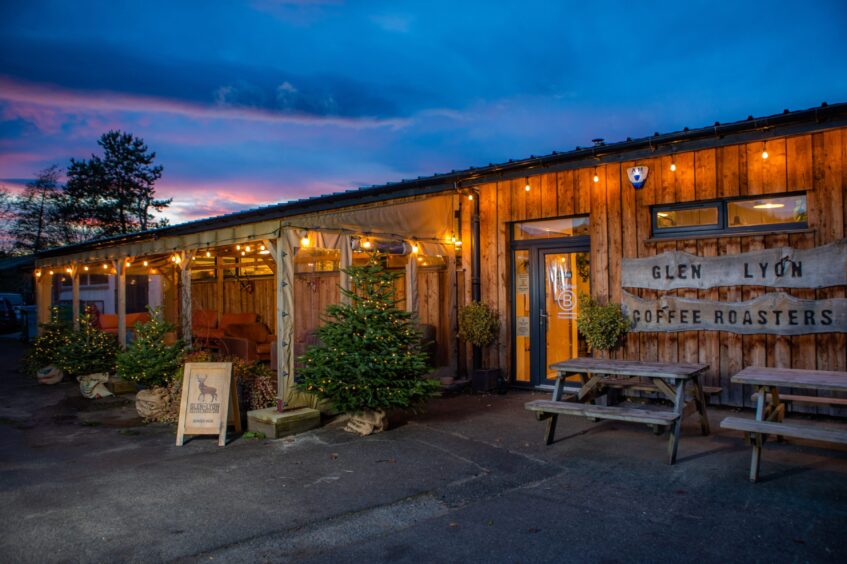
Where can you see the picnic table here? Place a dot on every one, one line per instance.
(770, 407)
(597, 376)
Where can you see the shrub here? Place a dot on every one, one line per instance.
(148, 360)
(88, 350)
(479, 324)
(369, 356)
(603, 326)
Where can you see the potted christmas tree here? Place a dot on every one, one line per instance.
(369, 356)
(479, 325)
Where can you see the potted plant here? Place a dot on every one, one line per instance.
(479, 325)
(602, 326)
(369, 356)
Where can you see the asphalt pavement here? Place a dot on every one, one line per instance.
(469, 480)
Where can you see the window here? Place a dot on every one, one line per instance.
(730, 216)
(550, 228)
(87, 279)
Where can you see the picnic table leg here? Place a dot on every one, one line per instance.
(758, 438)
(700, 402)
(558, 389)
(679, 406)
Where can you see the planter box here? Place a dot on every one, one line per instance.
(276, 425)
(485, 379)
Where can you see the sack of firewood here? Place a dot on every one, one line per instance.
(93, 386)
(152, 404)
(49, 375)
(367, 422)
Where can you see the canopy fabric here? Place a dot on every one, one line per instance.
(428, 221)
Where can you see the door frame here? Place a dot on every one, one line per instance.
(537, 249)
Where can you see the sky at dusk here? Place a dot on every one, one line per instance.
(255, 102)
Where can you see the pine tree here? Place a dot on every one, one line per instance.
(148, 360)
(369, 356)
(115, 192)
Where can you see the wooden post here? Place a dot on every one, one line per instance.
(412, 283)
(452, 315)
(120, 306)
(284, 280)
(346, 248)
(43, 297)
(185, 310)
(75, 299)
(219, 288)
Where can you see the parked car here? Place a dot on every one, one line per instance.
(8, 318)
(16, 301)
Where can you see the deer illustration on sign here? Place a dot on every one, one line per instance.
(206, 390)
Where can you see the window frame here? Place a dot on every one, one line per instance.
(722, 227)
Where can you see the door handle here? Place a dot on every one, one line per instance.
(542, 316)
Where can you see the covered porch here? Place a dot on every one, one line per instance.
(258, 290)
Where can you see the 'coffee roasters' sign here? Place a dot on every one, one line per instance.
(784, 267)
(775, 313)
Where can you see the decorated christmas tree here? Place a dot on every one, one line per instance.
(148, 360)
(369, 356)
(45, 348)
(88, 350)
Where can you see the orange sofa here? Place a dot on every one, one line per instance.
(108, 322)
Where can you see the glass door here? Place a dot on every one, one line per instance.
(565, 278)
(548, 280)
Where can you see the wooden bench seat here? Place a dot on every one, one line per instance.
(816, 400)
(809, 432)
(760, 429)
(636, 415)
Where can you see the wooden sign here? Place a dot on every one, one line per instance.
(209, 401)
(784, 267)
(775, 313)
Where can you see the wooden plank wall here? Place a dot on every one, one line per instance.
(620, 227)
(240, 296)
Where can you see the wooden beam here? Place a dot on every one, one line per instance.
(75, 298)
(219, 289)
(412, 283)
(120, 305)
(43, 297)
(345, 243)
(185, 295)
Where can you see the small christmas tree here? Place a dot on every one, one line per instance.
(45, 348)
(88, 350)
(148, 360)
(369, 356)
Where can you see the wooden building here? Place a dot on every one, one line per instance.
(527, 237)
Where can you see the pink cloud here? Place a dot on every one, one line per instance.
(25, 96)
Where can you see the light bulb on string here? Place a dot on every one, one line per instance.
(673, 166)
(527, 187)
(764, 149)
(304, 242)
(596, 176)
(470, 197)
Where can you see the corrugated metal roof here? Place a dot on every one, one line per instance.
(602, 152)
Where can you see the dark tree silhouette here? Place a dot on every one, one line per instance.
(114, 194)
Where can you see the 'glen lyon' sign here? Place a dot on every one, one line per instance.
(784, 267)
(775, 313)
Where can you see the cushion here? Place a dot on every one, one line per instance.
(256, 332)
(108, 321)
(237, 318)
(133, 318)
(204, 318)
